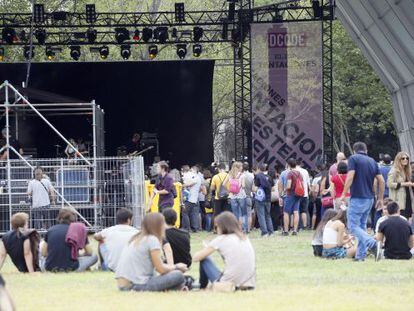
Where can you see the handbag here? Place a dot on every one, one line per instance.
(223, 192)
(327, 202)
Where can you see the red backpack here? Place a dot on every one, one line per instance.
(298, 187)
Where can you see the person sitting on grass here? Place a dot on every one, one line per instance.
(59, 253)
(16, 243)
(235, 249)
(385, 215)
(143, 255)
(112, 240)
(337, 243)
(178, 239)
(317, 242)
(398, 234)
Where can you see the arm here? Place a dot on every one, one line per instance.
(28, 256)
(379, 237)
(203, 254)
(168, 252)
(52, 194)
(163, 268)
(98, 237)
(348, 183)
(289, 183)
(381, 184)
(3, 254)
(88, 250)
(411, 241)
(341, 234)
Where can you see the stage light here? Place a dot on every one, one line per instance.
(1, 54)
(23, 36)
(104, 52)
(40, 35)
(75, 52)
(153, 51)
(197, 33)
(136, 36)
(147, 34)
(9, 35)
(174, 33)
(197, 50)
(26, 52)
(179, 12)
(50, 54)
(90, 13)
(91, 35)
(232, 10)
(39, 13)
(181, 50)
(125, 51)
(161, 34)
(121, 35)
(225, 31)
(278, 18)
(317, 10)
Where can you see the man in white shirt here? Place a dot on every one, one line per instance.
(304, 201)
(40, 190)
(191, 211)
(112, 240)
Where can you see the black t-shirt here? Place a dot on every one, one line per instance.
(264, 181)
(180, 245)
(13, 242)
(59, 255)
(397, 232)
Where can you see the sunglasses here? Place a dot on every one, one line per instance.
(405, 158)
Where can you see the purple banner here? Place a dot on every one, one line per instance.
(287, 93)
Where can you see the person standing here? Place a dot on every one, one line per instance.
(248, 188)
(333, 170)
(191, 211)
(304, 201)
(362, 171)
(164, 187)
(263, 188)
(40, 190)
(14, 143)
(237, 194)
(338, 184)
(400, 184)
(220, 201)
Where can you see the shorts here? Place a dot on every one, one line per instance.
(334, 253)
(303, 205)
(220, 206)
(291, 204)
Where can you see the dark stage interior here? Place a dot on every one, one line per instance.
(172, 99)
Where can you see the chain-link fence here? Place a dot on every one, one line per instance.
(94, 191)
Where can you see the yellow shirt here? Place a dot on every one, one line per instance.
(217, 181)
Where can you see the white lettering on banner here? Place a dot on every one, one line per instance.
(278, 40)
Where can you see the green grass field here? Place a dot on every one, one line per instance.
(288, 278)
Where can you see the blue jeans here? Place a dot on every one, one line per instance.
(208, 272)
(358, 212)
(191, 217)
(173, 280)
(263, 215)
(208, 222)
(239, 209)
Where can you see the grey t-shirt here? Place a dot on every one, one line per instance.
(248, 183)
(135, 264)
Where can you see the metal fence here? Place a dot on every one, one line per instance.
(95, 191)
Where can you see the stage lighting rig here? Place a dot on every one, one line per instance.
(181, 50)
(317, 9)
(147, 34)
(136, 36)
(50, 54)
(90, 13)
(198, 33)
(75, 52)
(197, 50)
(26, 52)
(125, 51)
(40, 35)
(161, 34)
(9, 35)
(104, 52)
(121, 35)
(91, 35)
(39, 13)
(153, 51)
(179, 12)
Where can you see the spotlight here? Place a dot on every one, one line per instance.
(1, 54)
(278, 18)
(197, 33)
(26, 52)
(181, 50)
(104, 52)
(161, 34)
(147, 34)
(50, 54)
(39, 13)
(121, 35)
(91, 35)
(9, 35)
(75, 52)
(197, 50)
(40, 35)
(23, 36)
(179, 12)
(136, 36)
(317, 10)
(232, 10)
(153, 51)
(90, 13)
(125, 51)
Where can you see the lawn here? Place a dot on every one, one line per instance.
(288, 278)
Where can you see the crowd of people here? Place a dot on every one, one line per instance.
(337, 202)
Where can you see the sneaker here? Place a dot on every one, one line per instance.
(285, 233)
(378, 252)
(294, 233)
(358, 260)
